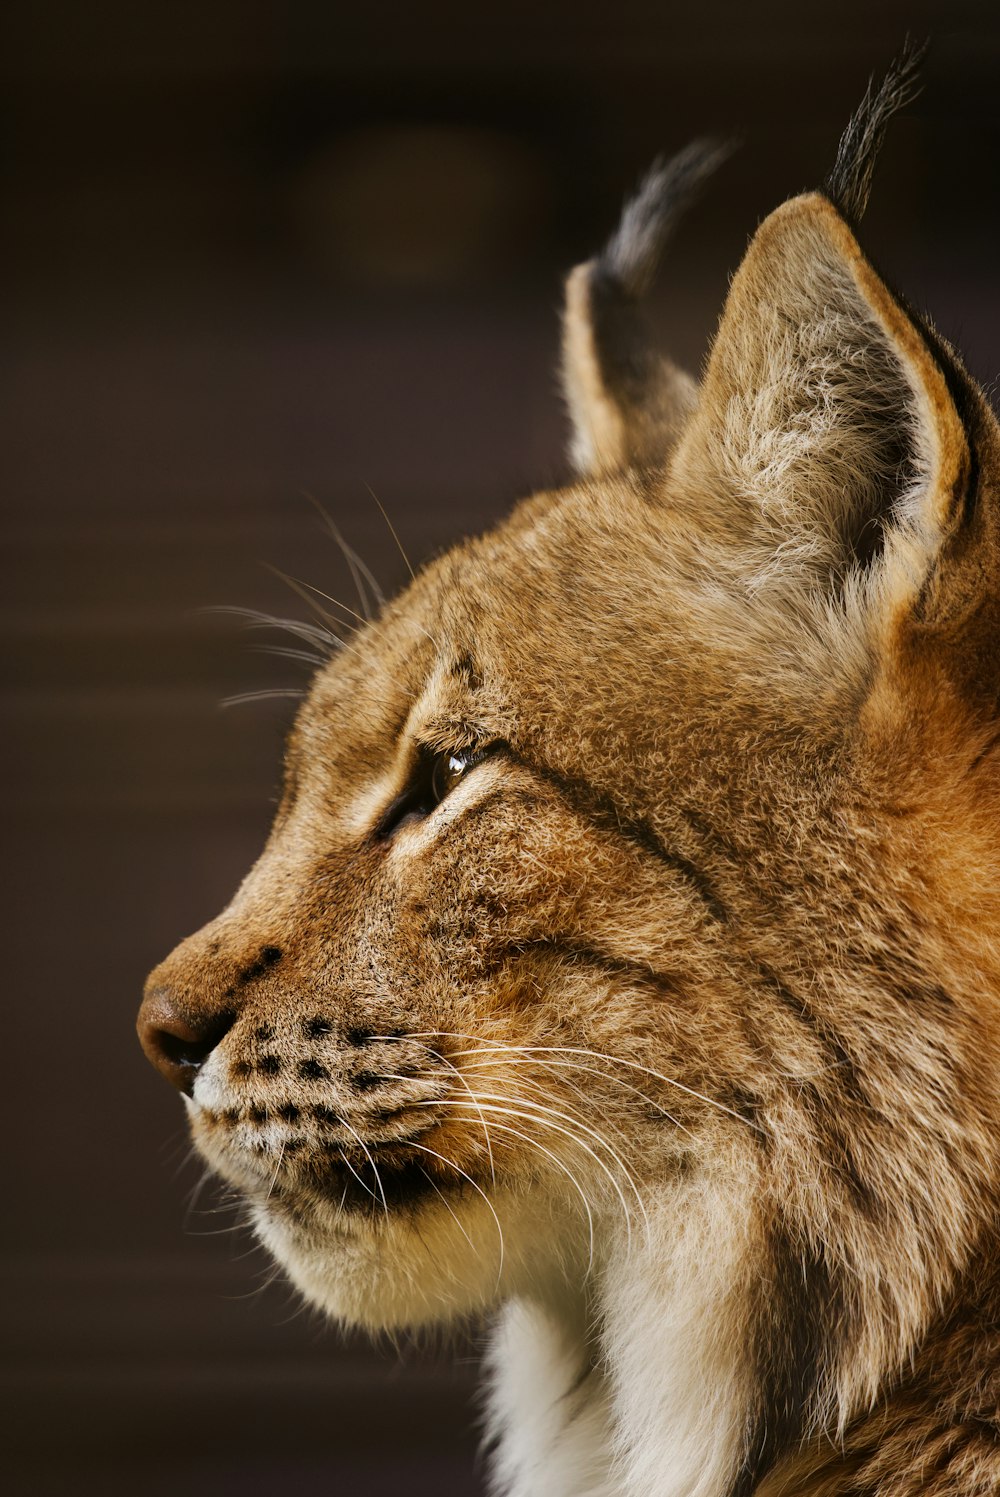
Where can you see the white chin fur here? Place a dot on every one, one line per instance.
(402, 1270)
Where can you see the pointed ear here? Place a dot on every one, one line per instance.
(627, 403)
(825, 425)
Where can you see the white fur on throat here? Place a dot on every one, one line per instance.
(654, 1401)
(549, 1408)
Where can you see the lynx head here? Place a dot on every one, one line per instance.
(634, 892)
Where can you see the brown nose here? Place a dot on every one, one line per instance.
(176, 1044)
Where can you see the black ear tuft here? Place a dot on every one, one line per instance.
(630, 258)
(849, 184)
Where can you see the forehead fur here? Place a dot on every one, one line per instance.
(608, 604)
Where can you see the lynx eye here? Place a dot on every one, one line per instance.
(447, 771)
(434, 777)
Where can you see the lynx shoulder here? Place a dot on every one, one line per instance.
(623, 964)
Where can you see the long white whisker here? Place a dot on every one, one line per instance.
(448, 1207)
(565, 1169)
(450, 1163)
(533, 1082)
(541, 1109)
(365, 1187)
(436, 1055)
(545, 1078)
(634, 1065)
(490, 1047)
(538, 1117)
(516, 1055)
(546, 1081)
(551, 1064)
(277, 1167)
(361, 1143)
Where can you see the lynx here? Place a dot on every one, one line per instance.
(623, 965)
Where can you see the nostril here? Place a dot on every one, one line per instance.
(181, 1052)
(177, 1045)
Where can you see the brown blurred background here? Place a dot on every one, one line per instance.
(256, 250)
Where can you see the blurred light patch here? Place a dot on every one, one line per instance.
(419, 206)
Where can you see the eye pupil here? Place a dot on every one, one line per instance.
(447, 772)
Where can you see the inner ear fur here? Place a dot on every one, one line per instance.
(825, 424)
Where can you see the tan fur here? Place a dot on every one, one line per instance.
(672, 1026)
(611, 428)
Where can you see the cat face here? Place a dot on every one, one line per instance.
(643, 855)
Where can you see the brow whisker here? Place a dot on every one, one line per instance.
(392, 531)
(309, 593)
(298, 584)
(320, 635)
(288, 652)
(360, 573)
(265, 694)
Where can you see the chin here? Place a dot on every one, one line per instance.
(397, 1248)
(431, 1264)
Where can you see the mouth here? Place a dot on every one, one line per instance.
(375, 1183)
(287, 1165)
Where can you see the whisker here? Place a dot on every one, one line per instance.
(360, 574)
(392, 532)
(266, 694)
(449, 1208)
(550, 1064)
(565, 1169)
(344, 1160)
(540, 1108)
(308, 593)
(320, 635)
(352, 565)
(366, 573)
(361, 1143)
(550, 1081)
(450, 1163)
(511, 1056)
(310, 587)
(277, 1167)
(195, 1195)
(288, 652)
(436, 1054)
(634, 1065)
(496, 1047)
(538, 1117)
